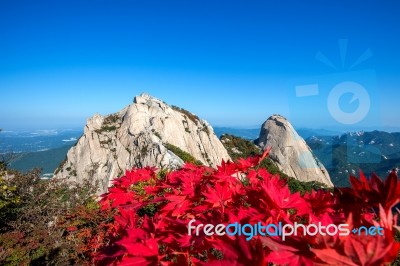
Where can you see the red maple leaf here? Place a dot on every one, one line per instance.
(218, 196)
(119, 196)
(278, 196)
(178, 205)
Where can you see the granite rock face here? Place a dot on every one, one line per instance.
(290, 152)
(137, 136)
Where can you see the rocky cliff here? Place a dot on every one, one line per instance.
(290, 152)
(146, 133)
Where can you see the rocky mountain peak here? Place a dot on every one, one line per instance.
(290, 152)
(146, 133)
(145, 98)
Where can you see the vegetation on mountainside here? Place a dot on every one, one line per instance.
(110, 123)
(40, 159)
(238, 147)
(185, 156)
(188, 114)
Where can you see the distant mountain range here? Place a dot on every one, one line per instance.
(345, 153)
(37, 140)
(39, 148)
(47, 160)
(246, 133)
(341, 153)
(253, 133)
(375, 151)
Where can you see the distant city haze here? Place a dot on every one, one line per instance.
(231, 63)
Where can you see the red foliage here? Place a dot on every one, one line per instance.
(88, 229)
(152, 214)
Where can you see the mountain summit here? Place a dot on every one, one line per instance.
(146, 133)
(290, 152)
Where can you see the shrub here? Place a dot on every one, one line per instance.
(105, 128)
(244, 147)
(110, 123)
(111, 119)
(31, 212)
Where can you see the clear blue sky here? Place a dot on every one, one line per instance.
(233, 63)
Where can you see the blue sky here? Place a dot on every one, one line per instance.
(233, 63)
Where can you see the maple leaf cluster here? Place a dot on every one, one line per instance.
(152, 213)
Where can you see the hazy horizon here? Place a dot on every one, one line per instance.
(244, 127)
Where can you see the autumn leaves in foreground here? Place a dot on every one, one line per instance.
(151, 211)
